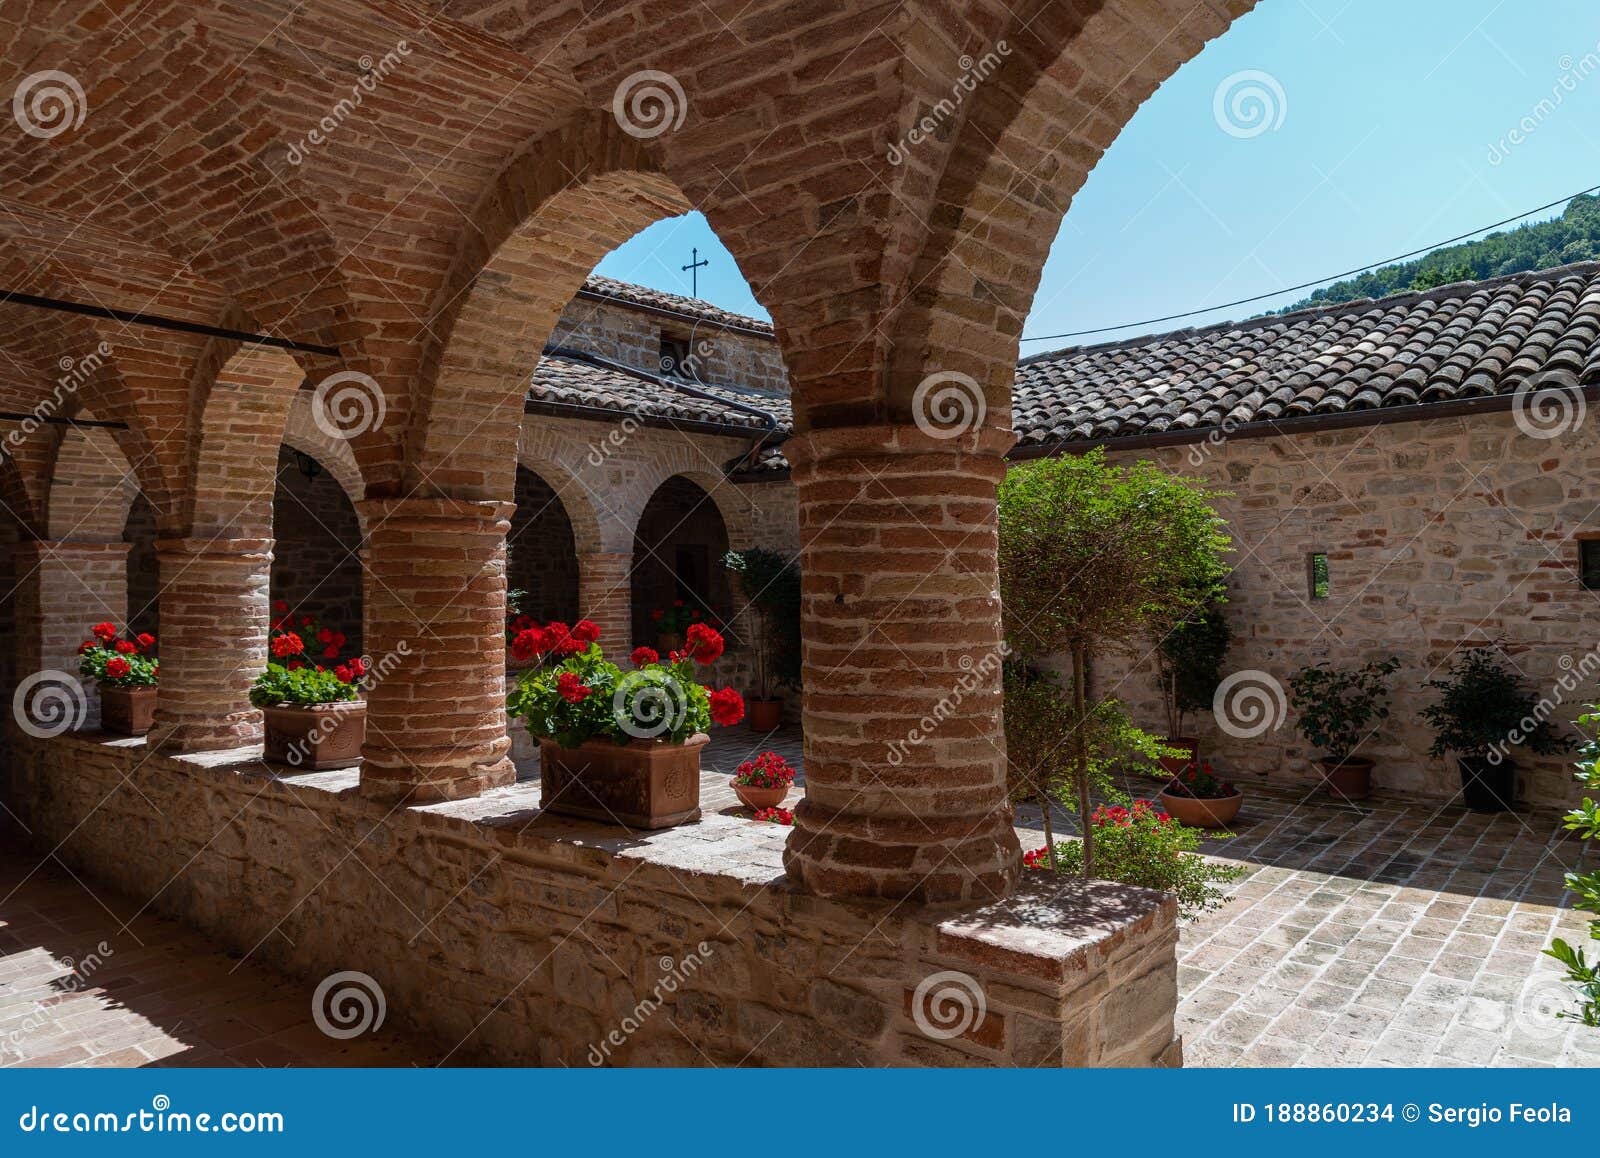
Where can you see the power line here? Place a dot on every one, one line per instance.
(1319, 281)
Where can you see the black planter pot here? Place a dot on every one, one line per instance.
(1487, 787)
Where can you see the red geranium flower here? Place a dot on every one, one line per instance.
(358, 666)
(325, 636)
(287, 644)
(644, 655)
(126, 647)
(330, 652)
(657, 613)
(105, 632)
(294, 665)
(529, 642)
(306, 621)
(117, 667)
(572, 689)
(146, 640)
(776, 815)
(585, 631)
(343, 672)
(279, 606)
(88, 645)
(727, 707)
(705, 643)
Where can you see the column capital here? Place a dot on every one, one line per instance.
(417, 513)
(836, 450)
(253, 551)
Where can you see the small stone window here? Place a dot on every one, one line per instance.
(1589, 562)
(1317, 574)
(675, 356)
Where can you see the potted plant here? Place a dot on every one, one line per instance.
(1339, 709)
(1200, 797)
(1486, 710)
(622, 747)
(671, 622)
(763, 782)
(314, 715)
(516, 623)
(1189, 661)
(127, 673)
(771, 583)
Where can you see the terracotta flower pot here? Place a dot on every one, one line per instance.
(763, 715)
(669, 641)
(758, 798)
(641, 784)
(316, 736)
(1217, 812)
(1350, 779)
(127, 711)
(1172, 765)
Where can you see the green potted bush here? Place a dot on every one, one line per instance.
(1485, 712)
(1339, 709)
(1189, 661)
(771, 583)
(127, 673)
(621, 747)
(310, 699)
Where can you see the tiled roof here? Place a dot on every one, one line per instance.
(638, 295)
(569, 382)
(1470, 340)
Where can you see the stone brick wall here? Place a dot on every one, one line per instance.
(633, 337)
(1439, 534)
(511, 937)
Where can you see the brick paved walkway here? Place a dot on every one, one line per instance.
(1394, 933)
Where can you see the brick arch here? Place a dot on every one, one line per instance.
(301, 432)
(245, 412)
(591, 529)
(549, 217)
(737, 509)
(92, 487)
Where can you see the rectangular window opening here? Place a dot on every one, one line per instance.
(1589, 562)
(1317, 574)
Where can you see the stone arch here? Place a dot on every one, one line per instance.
(737, 509)
(337, 457)
(550, 216)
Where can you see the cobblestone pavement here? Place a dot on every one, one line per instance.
(1396, 932)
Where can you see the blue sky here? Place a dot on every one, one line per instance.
(1390, 134)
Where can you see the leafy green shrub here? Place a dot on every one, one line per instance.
(1340, 707)
(771, 582)
(302, 686)
(1484, 706)
(1141, 845)
(1190, 660)
(1585, 821)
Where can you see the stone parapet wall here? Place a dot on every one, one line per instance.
(515, 937)
(1439, 534)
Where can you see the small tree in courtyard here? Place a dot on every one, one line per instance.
(1095, 559)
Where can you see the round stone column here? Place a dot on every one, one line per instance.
(213, 642)
(434, 624)
(905, 769)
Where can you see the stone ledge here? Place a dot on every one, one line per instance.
(1068, 973)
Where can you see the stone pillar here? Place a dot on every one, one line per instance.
(605, 595)
(904, 745)
(213, 642)
(434, 624)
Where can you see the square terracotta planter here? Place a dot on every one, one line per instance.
(316, 736)
(127, 711)
(642, 784)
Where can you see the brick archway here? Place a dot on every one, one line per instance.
(679, 543)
